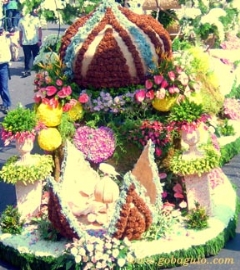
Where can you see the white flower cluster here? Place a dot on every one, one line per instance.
(50, 40)
(189, 13)
(102, 253)
(45, 58)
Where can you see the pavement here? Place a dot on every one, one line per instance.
(21, 91)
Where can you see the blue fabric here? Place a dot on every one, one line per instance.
(12, 20)
(4, 92)
(12, 4)
(30, 52)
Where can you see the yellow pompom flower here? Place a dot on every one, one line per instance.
(51, 117)
(76, 112)
(49, 139)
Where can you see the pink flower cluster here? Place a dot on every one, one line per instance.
(231, 108)
(97, 145)
(8, 136)
(52, 92)
(216, 177)
(175, 82)
(232, 43)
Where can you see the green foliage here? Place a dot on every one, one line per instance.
(19, 120)
(163, 225)
(12, 173)
(225, 129)
(179, 44)
(235, 91)
(66, 127)
(230, 18)
(204, 30)
(186, 111)
(165, 17)
(206, 163)
(67, 15)
(197, 218)
(46, 229)
(229, 151)
(10, 221)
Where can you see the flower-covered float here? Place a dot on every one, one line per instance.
(135, 133)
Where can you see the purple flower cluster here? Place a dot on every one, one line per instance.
(106, 103)
(97, 144)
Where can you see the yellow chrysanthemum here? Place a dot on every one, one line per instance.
(201, 62)
(51, 117)
(49, 139)
(76, 112)
(164, 105)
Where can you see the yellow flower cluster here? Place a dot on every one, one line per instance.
(49, 139)
(49, 116)
(76, 112)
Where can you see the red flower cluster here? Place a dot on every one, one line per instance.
(159, 133)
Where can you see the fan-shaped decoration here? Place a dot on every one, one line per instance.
(146, 172)
(113, 47)
(133, 209)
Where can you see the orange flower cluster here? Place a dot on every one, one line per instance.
(135, 217)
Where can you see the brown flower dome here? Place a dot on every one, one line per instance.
(113, 47)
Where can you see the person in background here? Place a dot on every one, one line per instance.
(14, 44)
(5, 56)
(30, 39)
(11, 11)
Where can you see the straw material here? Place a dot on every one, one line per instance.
(163, 4)
(174, 29)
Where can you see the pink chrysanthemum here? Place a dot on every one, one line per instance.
(97, 145)
(231, 108)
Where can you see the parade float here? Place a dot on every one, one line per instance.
(137, 134)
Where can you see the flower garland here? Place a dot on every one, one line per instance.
(13, 173)
(198, 166)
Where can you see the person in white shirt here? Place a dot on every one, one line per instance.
(5, 56)
(30, 39)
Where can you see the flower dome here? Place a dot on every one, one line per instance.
(113, 47)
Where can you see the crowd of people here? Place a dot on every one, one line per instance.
(17, 31)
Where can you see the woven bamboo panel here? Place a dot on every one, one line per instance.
(164, 4)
